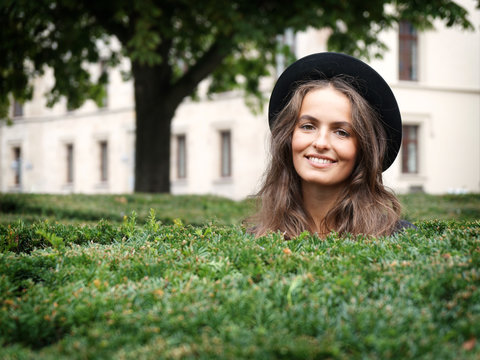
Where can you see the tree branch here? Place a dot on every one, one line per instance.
(210, 60)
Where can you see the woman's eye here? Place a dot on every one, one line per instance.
(342, 133)
(307, 127)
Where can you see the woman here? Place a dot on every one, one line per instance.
(335, 127)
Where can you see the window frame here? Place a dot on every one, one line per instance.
(103, 69)
(103, 146)
(407, 51)
(17, 165)
(225, 153)
(18, 110)
(407, 142)
(70, 163)
(181, 140)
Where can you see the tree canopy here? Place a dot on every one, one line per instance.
(175, 44)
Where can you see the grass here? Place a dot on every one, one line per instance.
(138, 288)
(196, 210)
(89, 209)
(418, 207)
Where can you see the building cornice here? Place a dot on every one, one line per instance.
(67, 116)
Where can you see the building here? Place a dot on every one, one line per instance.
(219, 146)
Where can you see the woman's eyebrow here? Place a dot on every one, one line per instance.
(341, 124)
(335, 123)
(308, 117)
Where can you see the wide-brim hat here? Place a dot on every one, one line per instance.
(369, 84)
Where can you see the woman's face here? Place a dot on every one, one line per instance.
(324, 147)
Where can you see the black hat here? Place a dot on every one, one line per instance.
(369, 84)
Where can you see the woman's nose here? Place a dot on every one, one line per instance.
(322, 141)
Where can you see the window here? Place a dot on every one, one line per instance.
(286, 44)
(17, 108)
(226, 154)
(103, 161)
(103, 72)
(410, 149)
(69, 148)
(181, 157)
(408, 51)
(17, 165)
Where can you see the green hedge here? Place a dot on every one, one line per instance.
(149, 291)
(89, 209)
(195, 210)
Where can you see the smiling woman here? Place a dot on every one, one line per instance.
(324, 147)
(335, 127)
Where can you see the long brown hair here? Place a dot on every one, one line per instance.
(365, 207)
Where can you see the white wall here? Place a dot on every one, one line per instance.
(202, 122)
(445, 103)
(449, 124)
(43, 143)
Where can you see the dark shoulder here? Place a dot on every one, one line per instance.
(402, 225)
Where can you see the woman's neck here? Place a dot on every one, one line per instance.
(317, 202)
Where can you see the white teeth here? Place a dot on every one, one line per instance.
(320, 161)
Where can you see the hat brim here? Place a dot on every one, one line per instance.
(369, 84)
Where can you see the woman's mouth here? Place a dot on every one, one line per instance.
(320, 161)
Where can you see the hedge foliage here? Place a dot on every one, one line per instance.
(89, 209)
(146, 290)
(195, 210)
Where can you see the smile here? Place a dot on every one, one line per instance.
(320, 161)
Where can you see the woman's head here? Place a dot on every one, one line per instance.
(324, 145)
(365, 129)
(363, 206)
(365, 82)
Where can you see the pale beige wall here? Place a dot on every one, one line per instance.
(43, 144)
(44, 132)
(449, 124)
(448, 57)
(202, 122)
(445, 103)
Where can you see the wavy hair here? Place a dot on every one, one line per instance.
(365, 207)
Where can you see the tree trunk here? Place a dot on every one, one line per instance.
(154, 114)
(156, 100)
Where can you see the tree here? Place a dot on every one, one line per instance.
(175, 44)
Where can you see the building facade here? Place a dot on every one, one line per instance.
(220, 147)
